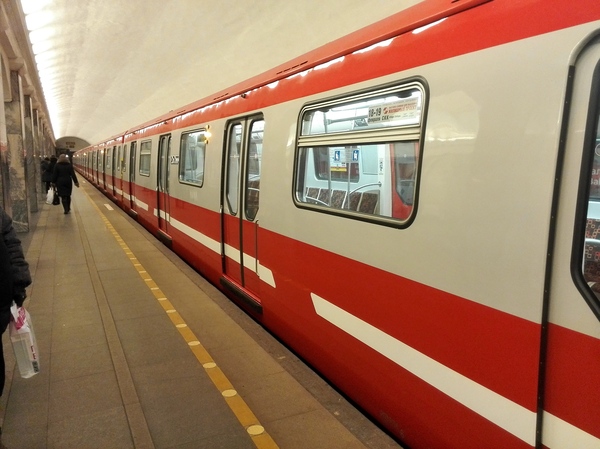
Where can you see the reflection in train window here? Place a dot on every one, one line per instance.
(191, 157)
(145, 157)
(359, 156)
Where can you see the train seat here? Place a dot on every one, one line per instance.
(337, 198)
(311, 195)
(354, 200)
(369, 203)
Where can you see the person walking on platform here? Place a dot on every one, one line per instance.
(14, 277)
(63, 178)
(46, 173)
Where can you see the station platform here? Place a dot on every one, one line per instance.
(137, 350)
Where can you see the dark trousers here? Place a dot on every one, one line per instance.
(66, 203)
(4, 319)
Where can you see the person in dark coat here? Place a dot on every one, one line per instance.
(63, 178)
(46, 173)
(14, 277)
(50, 170)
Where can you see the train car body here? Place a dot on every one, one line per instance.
(412, 209)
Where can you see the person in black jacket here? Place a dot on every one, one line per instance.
(63, 178)
(46, 173)
(47, 170)
(14, 278)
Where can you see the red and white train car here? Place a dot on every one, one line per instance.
(412, 208)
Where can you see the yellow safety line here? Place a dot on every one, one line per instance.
(258, 434)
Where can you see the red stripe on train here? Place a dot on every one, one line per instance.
(572, 394)
(413, 410)
(495, 349)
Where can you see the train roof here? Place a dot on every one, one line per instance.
(420, 15)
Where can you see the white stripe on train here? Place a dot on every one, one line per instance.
(264, 273)
(503, 412)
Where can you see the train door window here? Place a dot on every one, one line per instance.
(121, 159)
(132, 151)
(191, 157)
(108, 156)
(589, 243)
(233, 166)
(145, 157)
(253, 168)
(359, 156)
(164, 151)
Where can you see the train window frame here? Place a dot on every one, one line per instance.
(202, 140)
(144, 167)
(586, 238)
(363, 126)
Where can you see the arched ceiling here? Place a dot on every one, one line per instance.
(113, 64)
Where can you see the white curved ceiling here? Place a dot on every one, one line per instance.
(114, 64)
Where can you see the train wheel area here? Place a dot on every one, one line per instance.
(139, 351)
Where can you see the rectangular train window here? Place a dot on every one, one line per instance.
(191, 157)
(358, 156)
(145, 157)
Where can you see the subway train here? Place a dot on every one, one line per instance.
(413, 208)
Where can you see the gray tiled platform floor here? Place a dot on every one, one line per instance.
(116, 373)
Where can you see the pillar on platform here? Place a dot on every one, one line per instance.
(17, 174)
(32, 184)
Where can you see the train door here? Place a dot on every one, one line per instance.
(102, 168)
(162, 189)
(97, 166)
(114, 171)
(108, 173)
(239, 205)
(94, 174)
(131, 178)
(119, 174)
(571, 388)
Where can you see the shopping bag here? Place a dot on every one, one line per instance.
(55, 200)
(50, 196)
(23, 341)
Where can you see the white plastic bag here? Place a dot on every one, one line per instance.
(50, 196)
(23, 342)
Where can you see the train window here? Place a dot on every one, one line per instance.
(145, 157)
(233, 167)
(586, 256)
(109, 153)
(591, 256)
(359, 156)
(191, 157)
(122, 165)
(253, 168)
(132, 152)
(389, 109)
